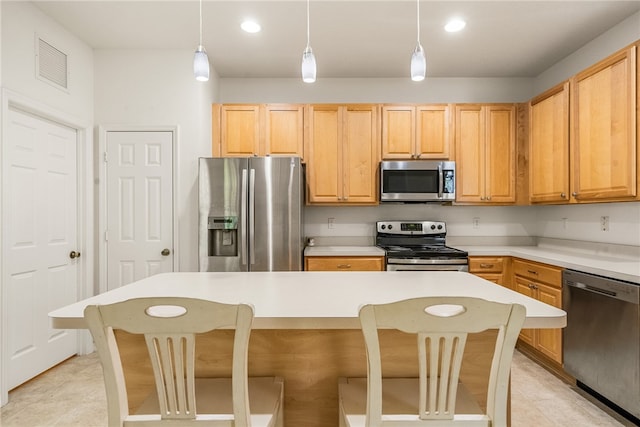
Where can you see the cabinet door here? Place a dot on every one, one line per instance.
(433, 138)
(549, 146)
(360, 154)
(324, 162)
(398, 132)
(524, 287)
(603, 144)
(500, 146)
(549, 341)
(283, 129)
(470, 153)
(239, 130)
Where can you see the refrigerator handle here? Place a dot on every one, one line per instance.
(243, 218)
(252, 212)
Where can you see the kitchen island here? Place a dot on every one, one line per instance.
(306, 329)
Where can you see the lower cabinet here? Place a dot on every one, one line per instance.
(341, 263)
(490, 268)
(544, 283)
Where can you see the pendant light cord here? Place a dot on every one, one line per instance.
(200, 22)
(418, 18)
(308, 32)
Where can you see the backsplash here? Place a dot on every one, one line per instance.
(488, 224)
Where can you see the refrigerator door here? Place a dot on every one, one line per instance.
(223, 225)
(276, 208)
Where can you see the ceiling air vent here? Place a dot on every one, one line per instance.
(52, 64)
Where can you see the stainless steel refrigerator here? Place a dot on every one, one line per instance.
(251, 214)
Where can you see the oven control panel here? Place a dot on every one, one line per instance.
(411, 227)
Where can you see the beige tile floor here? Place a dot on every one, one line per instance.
(72, 394)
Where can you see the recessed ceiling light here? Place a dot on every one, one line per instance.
(455, 25)
(250, 26)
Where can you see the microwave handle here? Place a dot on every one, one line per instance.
(440, 181)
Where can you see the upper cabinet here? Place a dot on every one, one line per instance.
(549, 146)
(342, 146)
(258, 130)
(603, 139)
(485, 153)
(416, 131)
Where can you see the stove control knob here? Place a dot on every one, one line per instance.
(390, 226)
(383, 226)
(440, 227)
(433, 226)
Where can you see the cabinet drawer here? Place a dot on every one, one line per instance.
(486, 264)
(344, 263)
(539, 272)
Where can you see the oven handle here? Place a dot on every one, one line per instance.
(426, 267)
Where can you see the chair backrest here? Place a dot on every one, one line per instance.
(442, 325)
(169, 326)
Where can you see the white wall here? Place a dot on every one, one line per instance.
(365, 90)
(157, 88)
(21, 21)
(623, 34)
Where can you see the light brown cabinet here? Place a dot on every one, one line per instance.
(343, 263)
(544, 283)
(603, 138)
(485, 153)
(416, 132)
(490, 268)
(258, 130)
(343, 151)
(549, 146)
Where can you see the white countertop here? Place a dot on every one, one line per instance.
(313, 300)
(617, 267)
(609, 265)
(343, 251)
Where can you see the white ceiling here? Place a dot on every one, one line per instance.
(350, 38)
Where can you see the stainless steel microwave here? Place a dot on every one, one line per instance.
(417, 181)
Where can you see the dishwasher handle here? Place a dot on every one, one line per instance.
(608, 288)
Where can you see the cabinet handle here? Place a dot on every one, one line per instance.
(413, 156)
(486, 265)
(482, 198)
(418, 156)
(574, 194)
(532, 286)
(563, 195)
(488, 197)
(532, 272)
(343, 266)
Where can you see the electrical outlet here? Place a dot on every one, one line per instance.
(604, 223)
(331, 222)
(476, 222)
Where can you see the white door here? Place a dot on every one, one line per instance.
(139, 205)
(40, 232)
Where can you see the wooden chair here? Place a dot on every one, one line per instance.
(169, 326)
(436, 398)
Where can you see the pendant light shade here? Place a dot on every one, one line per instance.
(308, 66)
(308, 59)
(201, 60)
(418, 60)
(418, 64)
(201, 64)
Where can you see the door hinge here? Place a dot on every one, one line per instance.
(106, 157)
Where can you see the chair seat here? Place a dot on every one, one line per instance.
(400, 396)
(214, 401)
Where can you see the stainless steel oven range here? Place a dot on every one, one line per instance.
(418, 246)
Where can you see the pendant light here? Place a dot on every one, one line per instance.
(418, 60)
(308, 59)
(201, 60)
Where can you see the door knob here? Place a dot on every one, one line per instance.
(74, 254)
(165, 252)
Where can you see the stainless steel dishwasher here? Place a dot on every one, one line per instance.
(602, 338)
